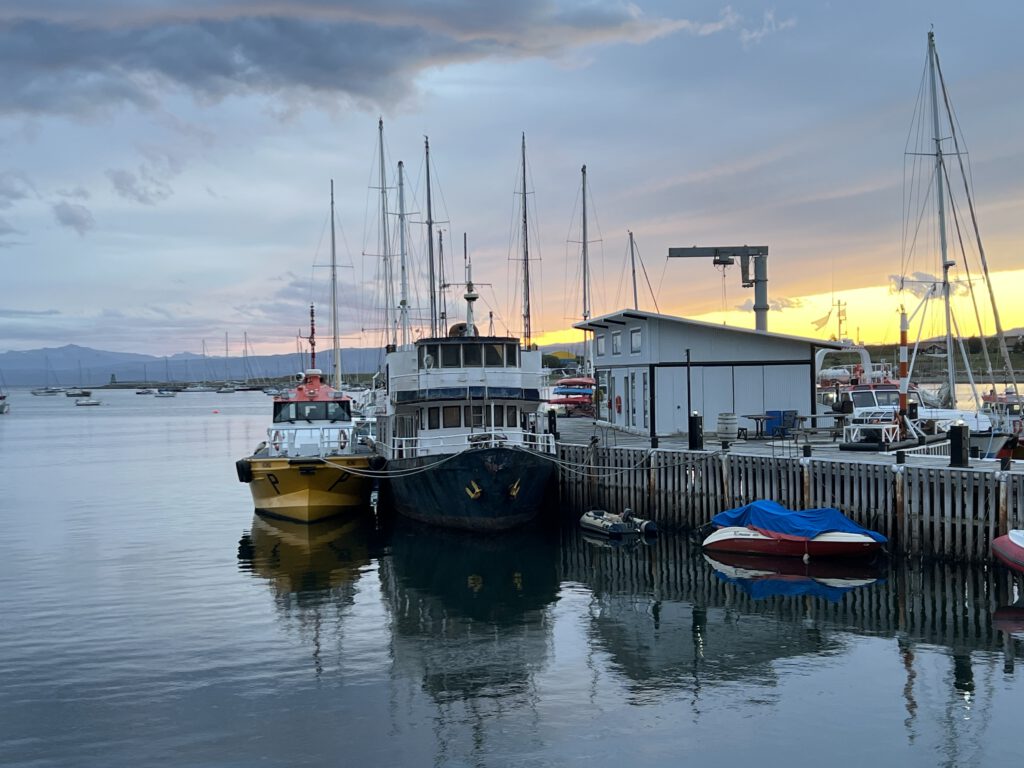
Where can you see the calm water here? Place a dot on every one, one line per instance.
(148, 619)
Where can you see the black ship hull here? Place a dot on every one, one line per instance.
(481, 489)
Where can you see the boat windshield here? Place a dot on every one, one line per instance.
(330, 410)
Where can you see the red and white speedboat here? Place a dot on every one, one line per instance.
(766, 528)
(1009, 550)
(753, 542)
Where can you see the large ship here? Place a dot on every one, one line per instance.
(465, 446)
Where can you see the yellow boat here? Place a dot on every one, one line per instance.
(317, 461)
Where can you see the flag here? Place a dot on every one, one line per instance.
(821, 321)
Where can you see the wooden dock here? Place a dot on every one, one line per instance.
(925, 507)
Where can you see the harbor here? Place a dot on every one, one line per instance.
(127, 594)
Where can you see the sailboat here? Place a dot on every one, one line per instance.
(936, 171)
(315, 464)
(460, 428)
(50, 390)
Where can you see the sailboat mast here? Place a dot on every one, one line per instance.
(403, 299)
(443, 316)
(312, 337)
(389, 289)
(586, 265)
(586, 275)
(336, 357)
(527, 330)
(940, 199)
(632, 263)
(430, 246)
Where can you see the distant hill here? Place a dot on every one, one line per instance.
(83, 366)
(72, 365)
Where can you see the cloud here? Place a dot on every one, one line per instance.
(75, 216)
(62, 60)
(768, 27)
(16, 313)
(921, 284)
(14, 186)
(776, 305)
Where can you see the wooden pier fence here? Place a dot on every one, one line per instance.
(925, 509)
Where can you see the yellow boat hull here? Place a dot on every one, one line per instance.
(308, 490)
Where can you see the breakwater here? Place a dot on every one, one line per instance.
(925, 507)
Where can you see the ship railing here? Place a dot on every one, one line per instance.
(289, 440)
(428, 445)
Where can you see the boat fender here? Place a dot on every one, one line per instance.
(244, 470)
(275, 439)
(342, 440)
(618, 404)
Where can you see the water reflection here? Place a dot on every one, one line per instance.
(305, 560)
(763, 577)
(468, 610)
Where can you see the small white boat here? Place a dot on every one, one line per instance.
(145, 391)
(87, 401)
(616, 526)
(165, 393)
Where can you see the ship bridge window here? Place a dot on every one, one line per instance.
(887, 398)
(472, 355)
(450, 357)
(616, 343)
(433, 417)
(634, 340)
(511, 355)
(499, 416)
(428, 356)
(599, 341)
(451, 416)
(493, 355)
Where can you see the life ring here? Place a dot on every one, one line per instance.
(276, 438)
(342, 440)
(618, 404)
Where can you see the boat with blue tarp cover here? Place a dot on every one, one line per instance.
(765, 527)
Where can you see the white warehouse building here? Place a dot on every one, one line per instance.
(652, 370)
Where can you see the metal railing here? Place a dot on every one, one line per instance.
(301, 441)
(429, 445)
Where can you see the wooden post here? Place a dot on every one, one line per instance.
(1004, 503)
(899, 495)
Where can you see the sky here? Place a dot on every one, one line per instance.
(165, 165)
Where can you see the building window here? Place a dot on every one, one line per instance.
(634, 340)
(617, 343)
(599, 340)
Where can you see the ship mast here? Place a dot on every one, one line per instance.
(336, 358)
(471, 295)
(632, 263)
(430, 246)
(389, 289)
(940, 198)
(586, 276)
(403, 299)
(527, 331)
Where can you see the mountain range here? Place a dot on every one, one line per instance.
(73, 365)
